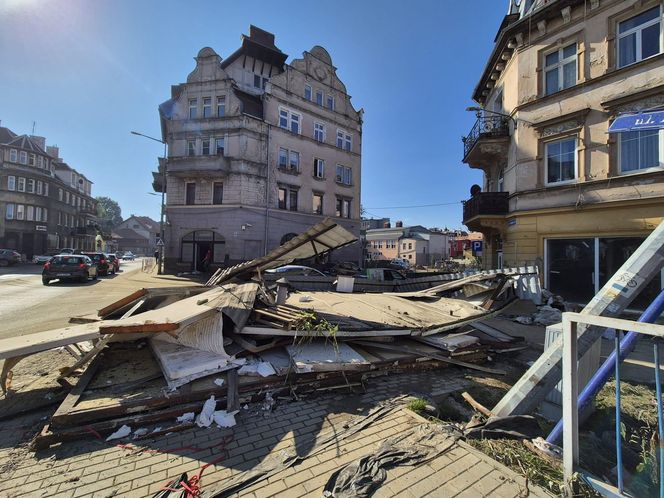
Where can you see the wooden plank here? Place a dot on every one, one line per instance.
(570, 399)
(476, 405)
(323, 333)
(407, 349)
(232, 395)
(618, 292)
(75, 394)
(107, 310)
(43, 341)
(139, 327)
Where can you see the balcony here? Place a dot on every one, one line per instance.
(488, 142)
(89, 210)
(485, 210)
(86, 230)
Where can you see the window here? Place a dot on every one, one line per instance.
(319, 97)
(45, 214)
(283, 158)
(30, 213)
(292, 200)
(20, 211)
(330, 102)
(640, 150)
(221, 106)
(190, 194)
(257, 81)
(46, 189)
(288, 198)
(282, 197)
(11, 183)
(319, 168)
(207, 107)
(59, 217)
(13, 155)
(206, 147)
(380, 244)
(289, 120)
(294, 162)
(319, 132)
(9, 211)
(344, 140)
(561, 161)
(318, 203)
(60, 194)
(217, 193)
(307, 92)
(410, 245)
(191, 147)
(31, 186)
(40, 162)
(220, 146)
(33, 160)
(21, 184)
(639, 37)
(560, 69)
(40, 188)
(23, 157)
(344, 175)
(343, 208)
(193, 108)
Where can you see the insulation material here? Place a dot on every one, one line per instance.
(206, 335)
(325, 356)
(123, 431)
(278, 358)
(224, 419)
(181, 364)
(450, 342)
(204, 419)
(257, 368)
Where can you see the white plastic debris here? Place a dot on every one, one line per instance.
(204, 418)
(140, 432)
(245, 407)
(306, 299)
(186, 417)
(219, 382)
(123, 431)
(224, 419)
(262, 368)
(156, 429)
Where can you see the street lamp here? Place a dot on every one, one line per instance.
(163, 190)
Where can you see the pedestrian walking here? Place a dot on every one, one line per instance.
(156, 256)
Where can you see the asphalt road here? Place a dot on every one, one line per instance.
(27, 306)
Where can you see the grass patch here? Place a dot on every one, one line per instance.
(418, 406)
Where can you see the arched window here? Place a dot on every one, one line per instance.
(286, 238)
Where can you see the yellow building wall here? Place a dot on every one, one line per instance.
(523, 242)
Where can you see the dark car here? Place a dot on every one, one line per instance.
(104, 265)
(116, 262)
(69, 267)
(9, 257)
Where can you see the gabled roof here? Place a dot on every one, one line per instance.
(145, 221)
(128, 234)
(26, 143)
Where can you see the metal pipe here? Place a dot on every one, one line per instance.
(660, 419)
(605, 371)
(618, 433)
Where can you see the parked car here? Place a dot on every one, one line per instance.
(66, 250)
(116, 262)
(287, 270)
(104, 266)
(69, 267)
(40, 259)
(129, 256)
(399, 264)
(9, 257)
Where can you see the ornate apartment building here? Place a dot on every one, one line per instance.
(258, 151)
(560, 187)
(45, 204)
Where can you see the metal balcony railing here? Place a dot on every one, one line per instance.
(486, 126)
(486, 203)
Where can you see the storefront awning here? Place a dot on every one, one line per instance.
(653, 120)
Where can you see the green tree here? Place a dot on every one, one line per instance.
(109, 213)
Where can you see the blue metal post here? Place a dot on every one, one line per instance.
(660, 419)
(605, 371)
(618, 425)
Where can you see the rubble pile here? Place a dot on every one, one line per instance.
(241, 339)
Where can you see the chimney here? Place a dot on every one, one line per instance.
(261, 36)
(399, 224)
(41, 141)
(386, 224)
(54, 151)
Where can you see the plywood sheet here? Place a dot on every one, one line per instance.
(325, 356)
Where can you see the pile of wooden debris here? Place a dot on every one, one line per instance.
(242, 339)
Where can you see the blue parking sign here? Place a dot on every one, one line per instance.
(477, 246)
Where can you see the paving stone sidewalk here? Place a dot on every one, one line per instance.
(95, 468)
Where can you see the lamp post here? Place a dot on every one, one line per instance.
(163, 190)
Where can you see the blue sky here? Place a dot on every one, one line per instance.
(88, 72)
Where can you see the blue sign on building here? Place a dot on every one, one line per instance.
(635, 122)
(477, 247)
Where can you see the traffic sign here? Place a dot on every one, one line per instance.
(160, 243)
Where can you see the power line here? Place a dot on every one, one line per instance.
(417, 206)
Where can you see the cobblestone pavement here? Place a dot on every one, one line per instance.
(95, 468)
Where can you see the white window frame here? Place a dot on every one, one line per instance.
(221, 106)
(193, 109)
(20, 186)
(10, 211)
(576, 162)
(288, 118)
(660, 136)
(319, 168)
(558, 66)
(344, 140)
(207, 108)
(30, 213)
(322, 200)
(223, 146)
(346, 176)
(11, 183)
(20, 212)
(189, 149)
(293, 160)
(13, 155)
(23, 157)
(32, 160)
(319, 131)
(30, 186)
(209, 150)
(639, 35)
(46, 189)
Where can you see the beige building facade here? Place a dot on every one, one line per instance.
(258, 151)
(559, 189)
